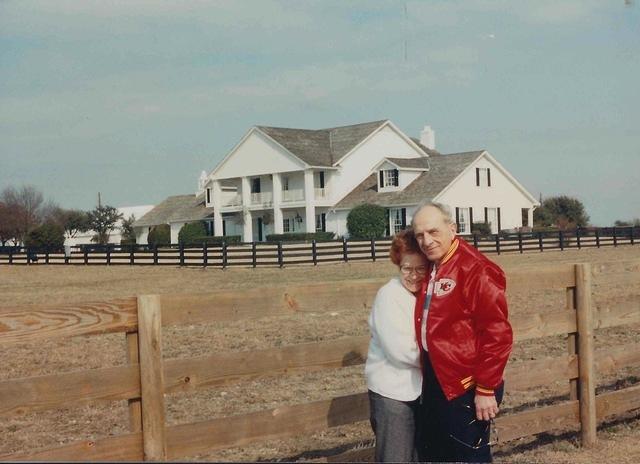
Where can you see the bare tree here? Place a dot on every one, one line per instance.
(8, 224)
(27, 206)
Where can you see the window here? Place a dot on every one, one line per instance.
(463, 220)
(208, 195)
(397, 220)
(286, 225)
(483, 177)
(525, 217)
(388, 178)
(492, 217)
(321, 222)
(255, 185)
(285, 183)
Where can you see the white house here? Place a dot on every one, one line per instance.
(83, 238)
(281, 180)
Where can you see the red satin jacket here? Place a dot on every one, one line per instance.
(468, 335)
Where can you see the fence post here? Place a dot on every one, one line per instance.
(254, 254)
(587, 374)
(224, 255)
(498, 243)
(598, 238)
(132, 254)
(373, 249)
(540, 241)
(572, 339)
(151, 378)
(520, 242)
(86, 256)
(345, 256)
(632, 235)
(578, 237)
(155, 253)
(475, 241)
(280, 257)
(561, 240)
(314, 252)
(135, 407)
(205, 254)
(181, 251)
(615, 237)
(46, 254)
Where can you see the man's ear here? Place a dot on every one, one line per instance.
(453, 228)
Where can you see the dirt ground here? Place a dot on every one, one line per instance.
(618, 439)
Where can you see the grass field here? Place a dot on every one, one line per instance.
(21, 285)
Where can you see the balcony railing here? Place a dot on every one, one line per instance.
(292, 195)
(261, 198)
(235, 200)
(321, 192)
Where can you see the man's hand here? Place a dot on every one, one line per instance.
(486, 407)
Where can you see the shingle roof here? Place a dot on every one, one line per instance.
(178, 208)
(428, 151)
(411, 163)
(321, 147)
(443, 169)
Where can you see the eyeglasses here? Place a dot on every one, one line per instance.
(418, 270)
(490, 427)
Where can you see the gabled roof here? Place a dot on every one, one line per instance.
(321, 147)
(443, 170)
(177, 208)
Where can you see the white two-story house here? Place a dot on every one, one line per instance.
(282, 180)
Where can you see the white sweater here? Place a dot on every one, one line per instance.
(393, 361)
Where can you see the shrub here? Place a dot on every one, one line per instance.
(300, 236)
(211, 240)
(192, 232)
(48, 235)
(367, 221)
(159, 235)
(481, 228)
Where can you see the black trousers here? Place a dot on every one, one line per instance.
(449, 430)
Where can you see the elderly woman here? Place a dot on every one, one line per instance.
(394, 378)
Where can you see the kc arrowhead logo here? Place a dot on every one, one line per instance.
(444, 287)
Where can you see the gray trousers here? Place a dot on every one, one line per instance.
(394, 425)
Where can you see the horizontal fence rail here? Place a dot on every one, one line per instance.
(149, 377)
(282, 254)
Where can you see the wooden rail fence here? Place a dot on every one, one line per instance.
(147, 376)
(290, 253)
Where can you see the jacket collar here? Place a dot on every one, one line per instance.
(450, 252)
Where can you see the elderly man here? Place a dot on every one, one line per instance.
(462, 328)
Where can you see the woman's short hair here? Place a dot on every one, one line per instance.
(404, 242)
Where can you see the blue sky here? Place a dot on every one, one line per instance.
(134, 99)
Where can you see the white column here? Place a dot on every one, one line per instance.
(217, 208)
(247, 227)
(142, 235)
(277, 199)
(175, 230)
(309, 199)
(246, 192)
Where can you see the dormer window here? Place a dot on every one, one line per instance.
(483, 177)
(388, 178)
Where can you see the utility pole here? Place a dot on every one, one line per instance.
(99, 201)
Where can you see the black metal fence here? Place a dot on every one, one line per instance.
(311, 253)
